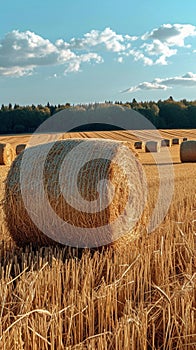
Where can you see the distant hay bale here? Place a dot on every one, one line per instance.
(22, 226)
(188, 151)
(7, 154)
(20, 148)
(175, 141)
(138, 145)
(165, 143)
(184, 139)
(152, 146)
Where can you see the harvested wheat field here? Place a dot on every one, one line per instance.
(138, 293)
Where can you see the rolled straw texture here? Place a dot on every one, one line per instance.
(138, 145)
(188, 151)
(165, 143)
(152, 146)
(175, 141)
(7, 154)
(125, 200)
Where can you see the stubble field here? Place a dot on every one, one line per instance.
(140, 293)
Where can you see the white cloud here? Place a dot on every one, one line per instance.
(171, 34)
(120, 59)
(131, 38)
(161, 43)
(186, 80)
(164, 38)
(139, 56)
(22, 52)
(74, 64)
(160, 49)
(16, 71)
(146, 86)
(26, 47)
(107, 39)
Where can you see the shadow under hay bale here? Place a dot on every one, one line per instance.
(7, 154)
(175, 141)
(19, 256)
(152, 146)
(20, 148)
(188, 151)
(49, 202)
(165, 143)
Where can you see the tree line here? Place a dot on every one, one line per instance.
(164, 114)
(24, 119)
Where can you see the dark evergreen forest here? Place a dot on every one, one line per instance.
(167, 114)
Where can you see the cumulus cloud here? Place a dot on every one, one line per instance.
(107, 39)
(139, 56)
(165, 41)
(157, 46)
(186, 80)
(22, 52)
(172, 34)
(74, 64)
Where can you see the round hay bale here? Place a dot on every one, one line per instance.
(165, 143)
(152, 146)
(138, 145)
(53, 176)
(175, 141)
(188, 151)
(184, 139)
(7, 154)
(20, 148)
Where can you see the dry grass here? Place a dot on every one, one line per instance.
(135, 295)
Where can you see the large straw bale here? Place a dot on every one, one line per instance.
(152, 146)
(7, 154)
(22, 227)
(188, 151)
(20, 148)
(175, 141)
(138, 145)
(165, 143)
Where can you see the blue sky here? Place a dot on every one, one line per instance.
(92, 51)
